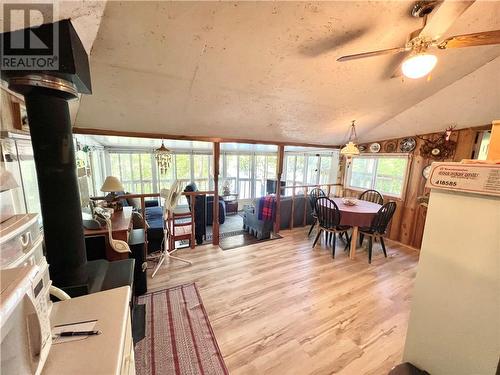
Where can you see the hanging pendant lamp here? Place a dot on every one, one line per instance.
(163, 158)
(351, 148)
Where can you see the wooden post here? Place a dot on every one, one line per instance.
(279, 172)
(192, 199)
(306, 202)
(143, 210)
(215, 224)
(145, 223)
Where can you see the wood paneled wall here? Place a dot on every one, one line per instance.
(408, 222)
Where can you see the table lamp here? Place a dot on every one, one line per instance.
(112, 185)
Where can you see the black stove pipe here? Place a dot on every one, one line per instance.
(51, 137)
(46, 91)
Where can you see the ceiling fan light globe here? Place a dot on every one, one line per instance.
(418, 66)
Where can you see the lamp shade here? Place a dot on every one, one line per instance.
(112, 184)
(350, 149)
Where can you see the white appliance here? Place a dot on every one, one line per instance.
(24, 320)
(21, 241)
(455, 312)
(25, 298)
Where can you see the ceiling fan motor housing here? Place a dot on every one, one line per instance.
(423, 8)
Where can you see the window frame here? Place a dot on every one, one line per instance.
(251, 179)
(333, 156)
(377, 157)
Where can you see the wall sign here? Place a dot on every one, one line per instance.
(471, 178)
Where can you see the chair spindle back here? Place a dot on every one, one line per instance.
(328, 212)
(383, 217)
(314, 195)
(372, 196)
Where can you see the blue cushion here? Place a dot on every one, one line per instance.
(154, 217)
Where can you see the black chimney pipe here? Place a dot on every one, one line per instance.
(52, 140)
(46, 90)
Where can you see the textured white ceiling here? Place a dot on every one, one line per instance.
(267, 70)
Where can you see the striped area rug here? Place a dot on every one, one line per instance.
(179, 339)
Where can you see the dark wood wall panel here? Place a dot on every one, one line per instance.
(408, 222)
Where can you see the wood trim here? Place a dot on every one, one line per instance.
(308, 186)
(215, 224)
(279, 172)
(16, 115)
(117, 133)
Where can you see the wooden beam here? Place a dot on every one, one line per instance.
(279, 172)
(306, 202)
(215, 224)
(118, 133)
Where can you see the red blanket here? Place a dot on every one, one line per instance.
(267, 205)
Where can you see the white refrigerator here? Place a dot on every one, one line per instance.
(454, 325)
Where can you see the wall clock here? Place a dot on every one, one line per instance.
(407, 144)
(426, 172)
(375, 147)
(391, 146)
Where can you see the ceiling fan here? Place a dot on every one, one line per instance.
(418, 62)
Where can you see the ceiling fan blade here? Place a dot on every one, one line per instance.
(389, 51)
(437, 23)
(470, 40)
(442, 18)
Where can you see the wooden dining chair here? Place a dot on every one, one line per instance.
(378, 228)
(372, 196)
(313, 195)
(329, 222)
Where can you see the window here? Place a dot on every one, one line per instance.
(183, 167)
(134, 171)
(201, 169)
(325, 170)
(247, 172)
(310, 169)
(387, 174)
(265, 169)
(244, 178)
(138, 171)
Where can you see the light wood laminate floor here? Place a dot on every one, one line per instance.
(282, 307)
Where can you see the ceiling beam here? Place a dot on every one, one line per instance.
(118, 133)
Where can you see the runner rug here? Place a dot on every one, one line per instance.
(179, 338)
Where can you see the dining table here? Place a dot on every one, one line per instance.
(358, 215)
